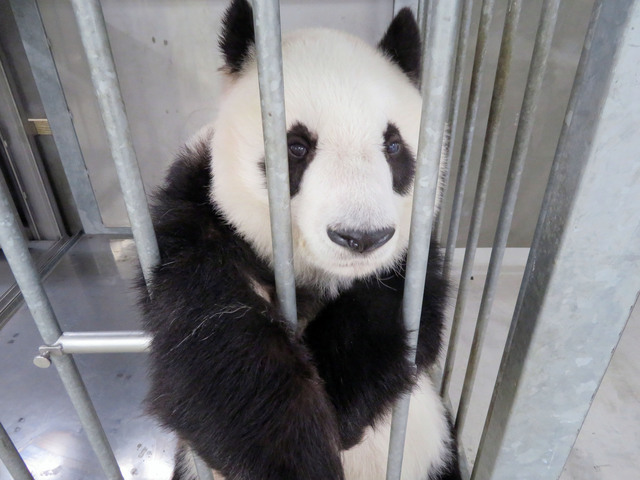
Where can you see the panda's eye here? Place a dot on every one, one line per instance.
(394, 148)
(298, 150)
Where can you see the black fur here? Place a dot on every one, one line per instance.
(401, 43)
(255, 399)
(403, 164)
(300, 133)
(359, 344)
(237, 37)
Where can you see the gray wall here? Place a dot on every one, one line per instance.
(167, 60)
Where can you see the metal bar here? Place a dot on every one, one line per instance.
(477, 74)
(44, 71)
(83, 406)
(421, 14)
(425, 12)
(583, 274)
(202, 469)
(11, 458)
(484, 176)
(400, 4)
(104, 342)
(540, 55)
(17, 255)
(43, 217)
(266, 20)
(437, 59)
(463, 167)
(12, 299)
(93, 33)
(454, 107)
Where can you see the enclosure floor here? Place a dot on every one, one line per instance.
(608, 446)
(90, 289)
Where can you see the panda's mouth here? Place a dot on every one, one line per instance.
(362, 264)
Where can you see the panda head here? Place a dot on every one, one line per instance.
(353, 116)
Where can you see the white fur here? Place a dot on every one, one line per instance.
(426, 444)
(346, 92)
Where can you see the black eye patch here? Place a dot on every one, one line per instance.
(301, 148)
(400, 159)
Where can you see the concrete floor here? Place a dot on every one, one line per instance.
(90, 289)
(608, 447)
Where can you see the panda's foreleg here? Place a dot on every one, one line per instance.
(359, 346)
(428, 453)
(235, 383)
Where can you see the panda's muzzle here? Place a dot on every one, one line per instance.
(361, 241)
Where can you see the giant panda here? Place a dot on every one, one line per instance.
(255, 398)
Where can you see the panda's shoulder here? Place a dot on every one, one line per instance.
(188, 178)
(184, 218)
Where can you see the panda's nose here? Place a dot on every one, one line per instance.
(361, 240)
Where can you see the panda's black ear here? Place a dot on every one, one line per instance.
(401, 43)
(237, 36)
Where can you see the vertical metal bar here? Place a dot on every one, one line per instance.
(484, 176)
(437, 59)
(421, 13)
(425, 12)
(44, 71)
(541, 50)
(202, 469)
(583, 274)
(93, 33)
(454, 105)
(477, 72)
(17, 254)
(463, 167)
(11, 458)
(43, 218)
(400, 4)
(266, 18)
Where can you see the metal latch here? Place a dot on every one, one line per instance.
(43, 360)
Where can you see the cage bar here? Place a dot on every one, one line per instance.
(93, 33)
(103, 342)
(454, 105)
(479, 64)
(45, 74)
(423, 13)
(23, 168)
(17, 254)
(266, 18)
(541, 49)
(400, 4)
(570, 312)
(11, 457)
(437, 59)
(202, 469)
(484, 175)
